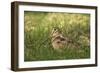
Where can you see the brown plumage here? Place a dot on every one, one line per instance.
(58, 40)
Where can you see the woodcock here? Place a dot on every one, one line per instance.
(58, 41)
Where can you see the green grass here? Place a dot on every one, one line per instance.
(37, 41)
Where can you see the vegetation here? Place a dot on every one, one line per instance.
(37, 41)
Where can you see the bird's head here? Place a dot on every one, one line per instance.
(55, 32)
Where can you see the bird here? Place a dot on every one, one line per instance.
(58, 41)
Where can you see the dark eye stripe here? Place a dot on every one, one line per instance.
(62, 39)
(58, 42)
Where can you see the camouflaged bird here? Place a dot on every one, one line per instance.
(59, 42)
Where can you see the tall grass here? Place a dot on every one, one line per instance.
(37, 41)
